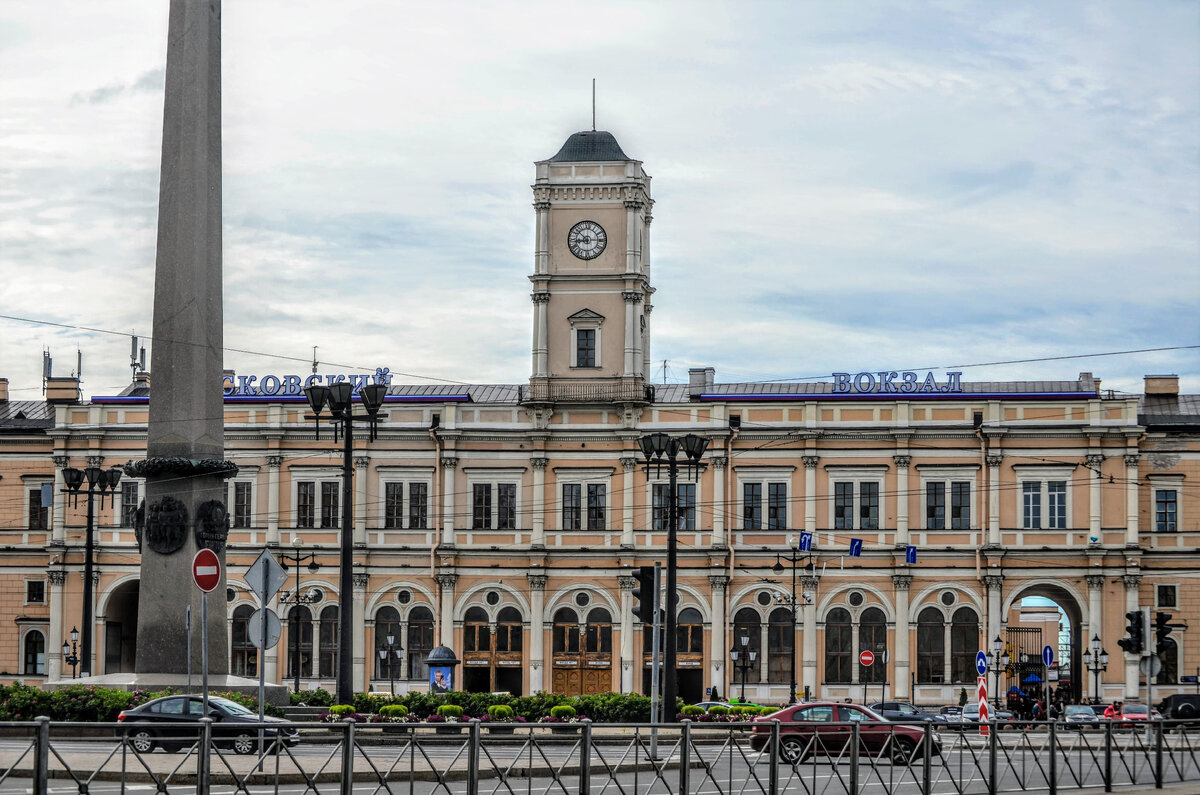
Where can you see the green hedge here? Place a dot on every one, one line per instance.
(85, 703)
(600, 707)
(317, 698)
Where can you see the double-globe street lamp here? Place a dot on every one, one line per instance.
(102, 482)
(338, 398)
(743, 660)
(1095, 660)
(70, 651)
(661, 450)
(794, 557)
(389, 652)
(296, 598)
(997, 661)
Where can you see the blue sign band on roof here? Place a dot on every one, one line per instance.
(809, 396)
(461, 397)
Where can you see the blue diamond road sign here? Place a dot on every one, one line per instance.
(981, 663)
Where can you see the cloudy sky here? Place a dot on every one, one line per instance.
(839, 186)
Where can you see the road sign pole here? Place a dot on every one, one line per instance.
(204, 646)
(188, 624)
(262, 669)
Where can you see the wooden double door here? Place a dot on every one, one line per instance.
(582, 653)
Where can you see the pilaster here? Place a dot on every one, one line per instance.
(537, 631)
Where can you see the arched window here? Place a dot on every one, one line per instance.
(746, 624)
(300, 641)
(599, 631)
(872, 635)
(35, 654)
(931, 646)
(1169, 674)
(837, 646)
(508, 629)
(964, 644)
(327, 662)
(387, 622)
(420, 642)
(566, 631)
(243, 654)
(781, 645)
(476, 635)
(690, 631)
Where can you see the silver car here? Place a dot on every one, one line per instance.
(1081, 716)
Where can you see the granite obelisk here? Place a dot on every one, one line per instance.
(184, 467)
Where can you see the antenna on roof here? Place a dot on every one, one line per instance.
(593, 104)
(314, 360)
(79, 364)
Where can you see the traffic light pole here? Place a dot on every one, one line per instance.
(654, 665)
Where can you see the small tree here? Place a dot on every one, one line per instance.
(962, 697)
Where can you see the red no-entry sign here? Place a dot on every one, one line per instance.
(206, 570)
(867, 657)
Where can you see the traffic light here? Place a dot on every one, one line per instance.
(1162, 628)
(643, 594)
(1135, 641)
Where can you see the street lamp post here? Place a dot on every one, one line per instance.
(1095, 660)
(997, 662)
(794, 557)
(660, 450)
(389, 653)
(298, 599)
(743, 660)
(339, 399)
(69, 650)
(99, 481)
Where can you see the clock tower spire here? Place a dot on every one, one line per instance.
(591, 275)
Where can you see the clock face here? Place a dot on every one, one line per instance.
(587, 239)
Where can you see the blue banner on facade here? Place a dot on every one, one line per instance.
(910, 555)
(855, 547)
(806, 542)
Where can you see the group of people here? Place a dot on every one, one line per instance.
(1026, 707)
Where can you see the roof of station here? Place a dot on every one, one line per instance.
(588, 146)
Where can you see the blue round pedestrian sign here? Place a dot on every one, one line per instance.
(1047, 656)
(981, 663)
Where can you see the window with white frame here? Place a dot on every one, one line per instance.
(1166, 596)
(34, 662)
(405, 498)
(35, 592)
(948, 494)
(857, 494)
(38, 500)
(1164, 494)
(661, 507)
(1045, 495)
(495, 498)
(131, 498)
(316, 498)
(764, 497)
(241, 501)
(585, 338)
(584, 499)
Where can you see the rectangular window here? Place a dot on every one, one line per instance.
(329, 504)
(306, 503)
(960, 505)
(751, 506)
(39, 513)
(1167, 596)
(868, 506)
(686, 505)
(1031, 505)
(418, 505)
(481, 506)
(571, 506)
(585, 347)
(776, 506)
(1056, 491)
(35, 592)
(843, 506)
(242, 510)
(1165, 511)
(935, 506)
(506, 506)
(597, 520)
(393, 505)
(130, 497)
(659, 517)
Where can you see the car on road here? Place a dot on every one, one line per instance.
(1181, 706)
(170, 723)
(951, 713)
(704, 705)
(1081, 717)
(902, 711)
(1134, 713)
(824, 729)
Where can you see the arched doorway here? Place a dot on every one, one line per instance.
(596, 655)
(1040, 615)
(492, 653)
(566, 677)
(120, 628)
(689, 676)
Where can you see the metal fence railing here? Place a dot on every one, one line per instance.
(759, 758)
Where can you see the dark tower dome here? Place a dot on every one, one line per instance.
(590, 145)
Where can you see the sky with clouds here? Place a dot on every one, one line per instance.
(838, 186)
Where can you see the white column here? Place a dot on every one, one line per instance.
(629, 465)
(627, 654)
(1133, 583)
(449, 463)
(541, 257)
(809, 679)
(540, 342)
(994, 584)
(273, 464)
(54, 641)
(632, 206)
(1094, 462)
(993, 534)
(538, 536)
(717, 584)
(58, 528)
(631, 333)
(810, 493)
(1095, 585)
(537, 631)
(646, 368)
(718, 504)
(361, 660)
(360, 500)
(902, 463)
(854, 650)
(1131, 501)
(446, 609)
(902, 582)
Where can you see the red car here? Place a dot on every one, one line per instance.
(824, 728)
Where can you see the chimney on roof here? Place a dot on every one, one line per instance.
(60, 389)
(3, 390)
(700, 380)
(1162, 384)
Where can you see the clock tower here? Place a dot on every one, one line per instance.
(591, 274)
